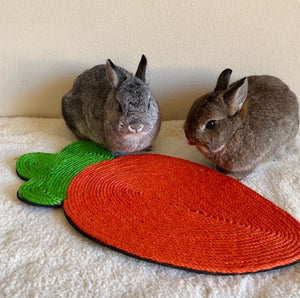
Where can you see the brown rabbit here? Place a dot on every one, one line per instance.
(244, 124)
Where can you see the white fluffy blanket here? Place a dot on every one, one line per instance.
(41, 255)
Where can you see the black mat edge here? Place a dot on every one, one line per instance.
(23, 178)
(36, 204)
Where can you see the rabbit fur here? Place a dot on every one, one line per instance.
(244, 124)
(113, 108)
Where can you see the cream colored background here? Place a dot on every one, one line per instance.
(44, 45)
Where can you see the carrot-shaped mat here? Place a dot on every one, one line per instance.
(164, 210)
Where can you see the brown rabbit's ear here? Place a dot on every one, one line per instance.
(142, 70)
(223, 80)
(236, 96)
(114, 74)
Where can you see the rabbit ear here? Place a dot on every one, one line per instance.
(223, 80)
(142, 70)
(236, 96)
(114, 74)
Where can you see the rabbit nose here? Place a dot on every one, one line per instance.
(135, 128)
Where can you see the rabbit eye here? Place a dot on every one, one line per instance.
(210, 124)
(120, 108)
(149, 104)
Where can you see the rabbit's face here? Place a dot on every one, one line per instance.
(137, 111)
(133, 96)
(215, 117)
(209, 124)
(137, 108)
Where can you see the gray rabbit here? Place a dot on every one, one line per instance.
(113, 107)
(244, 124)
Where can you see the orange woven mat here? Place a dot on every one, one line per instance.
(178, 213)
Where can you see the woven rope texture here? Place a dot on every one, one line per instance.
(49, 175)
(181, 214)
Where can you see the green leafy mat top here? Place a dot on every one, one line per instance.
(49, 174)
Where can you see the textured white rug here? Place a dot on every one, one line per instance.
(41, 255)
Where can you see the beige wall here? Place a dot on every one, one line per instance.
(44, 45)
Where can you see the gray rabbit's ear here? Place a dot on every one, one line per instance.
(142, 70)
(223, 80)
(236, 96)
(114, 74)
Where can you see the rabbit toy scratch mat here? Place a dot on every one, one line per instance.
(162, 209)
